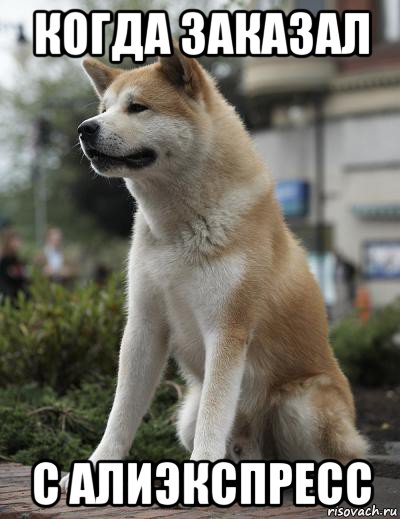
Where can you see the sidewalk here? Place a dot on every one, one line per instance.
(16, 503)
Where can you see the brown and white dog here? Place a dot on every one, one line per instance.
(216, 279)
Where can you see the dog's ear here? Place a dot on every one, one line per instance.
(183, 72)
(101, 76)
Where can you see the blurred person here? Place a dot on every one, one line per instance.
(54, 261)
(13, 277)
(346, 272)
(345, 277)
(101, 274)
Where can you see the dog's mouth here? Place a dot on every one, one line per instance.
(141, 159)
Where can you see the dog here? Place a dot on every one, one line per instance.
(215, 279)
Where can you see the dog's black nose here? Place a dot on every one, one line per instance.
(88, 129)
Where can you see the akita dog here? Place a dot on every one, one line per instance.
(216, 278)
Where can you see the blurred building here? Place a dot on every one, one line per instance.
(329, 130)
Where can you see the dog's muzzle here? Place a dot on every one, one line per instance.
(88, 133)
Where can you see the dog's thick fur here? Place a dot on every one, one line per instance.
(217, 280)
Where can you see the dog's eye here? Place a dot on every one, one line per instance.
(135, 108)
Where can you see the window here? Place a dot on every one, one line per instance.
(381, 260)
(271, 5)
(288, 5)
(390, 20)
(310, 5)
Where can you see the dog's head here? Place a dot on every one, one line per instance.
(152, 119)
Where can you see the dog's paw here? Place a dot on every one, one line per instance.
(64, 484)
(207, 455)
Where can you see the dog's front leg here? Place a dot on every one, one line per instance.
(143, 355)
(225, 361)
(142, 358)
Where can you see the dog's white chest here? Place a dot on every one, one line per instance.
(195, 295)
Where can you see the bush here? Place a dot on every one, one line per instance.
(37, 424)
(369, 352)
(61, 337)
(58, 365)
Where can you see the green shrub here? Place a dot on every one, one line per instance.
(58, 366)
(36, 424)
(61, 337)
(369, 352)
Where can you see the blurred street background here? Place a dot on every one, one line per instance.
(329, 131)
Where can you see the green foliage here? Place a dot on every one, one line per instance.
(85, 205)
(38, 424)
(369, 353)
(61, 337)
(58, 364)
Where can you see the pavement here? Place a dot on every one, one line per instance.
(387, 460)
(16, 502)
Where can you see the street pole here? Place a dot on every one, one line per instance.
(320, 189)
(41, 134)
(40, 203)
